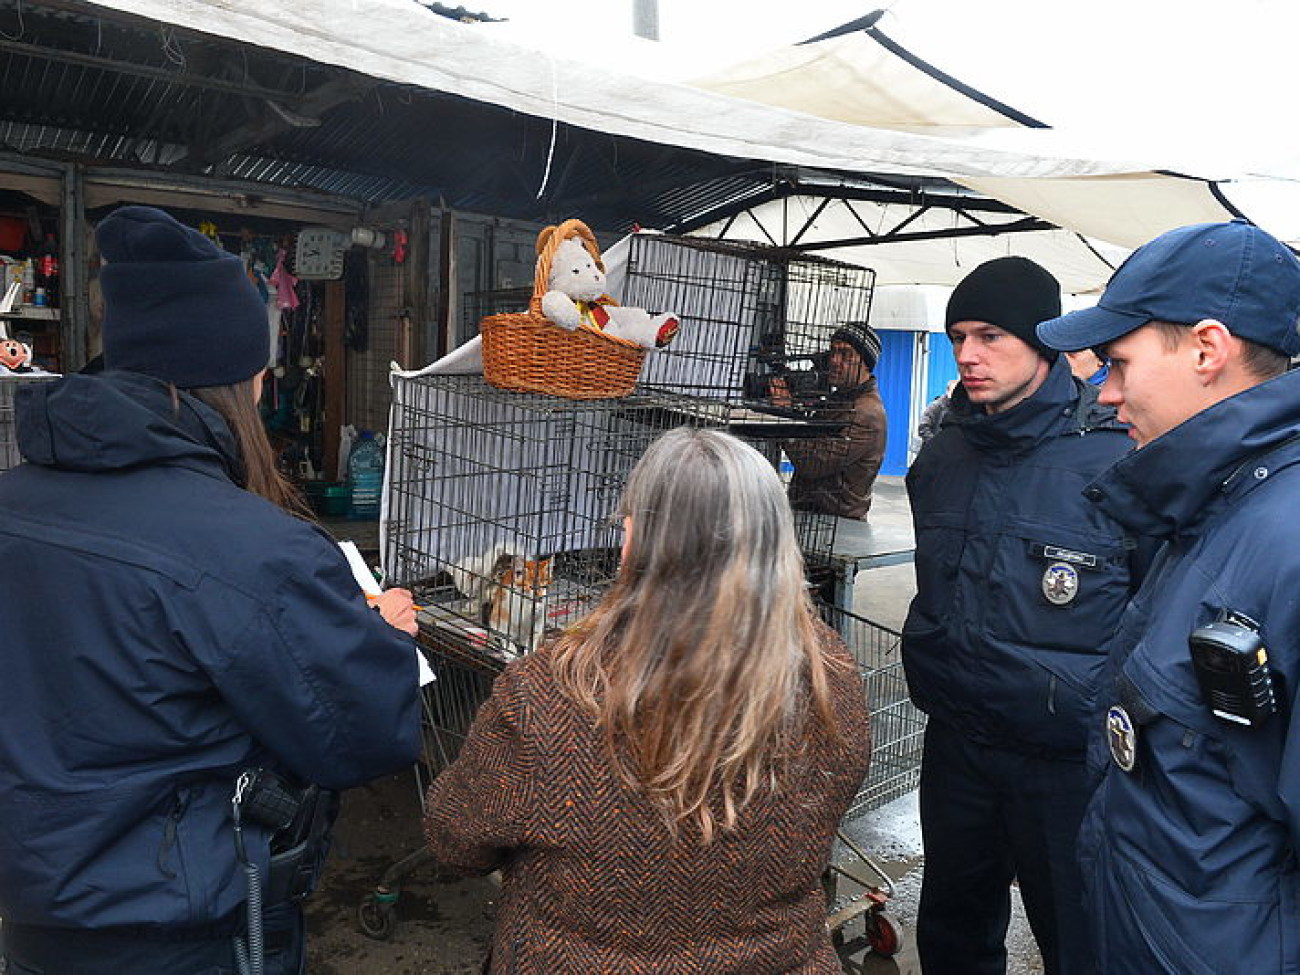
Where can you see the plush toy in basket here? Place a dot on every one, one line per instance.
(575, 340)
(575, 290)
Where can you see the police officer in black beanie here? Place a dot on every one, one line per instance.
(1020, 583)
(176, 637)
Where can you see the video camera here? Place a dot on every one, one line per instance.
(805, 376)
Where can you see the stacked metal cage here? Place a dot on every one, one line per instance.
(897, 725)
(492, 493)
(505, 499)
(500, 505)
(748, 312)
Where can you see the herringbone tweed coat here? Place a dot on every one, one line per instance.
(593, 881)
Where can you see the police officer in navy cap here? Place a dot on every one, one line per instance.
(1020, 584)
(1188, 847)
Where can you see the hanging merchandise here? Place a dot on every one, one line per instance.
(285, 283)
(356, 288)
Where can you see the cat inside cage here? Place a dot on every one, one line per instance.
(502, 505)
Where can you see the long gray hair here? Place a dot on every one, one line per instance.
(702, 664)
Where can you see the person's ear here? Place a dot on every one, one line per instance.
(1214, 346)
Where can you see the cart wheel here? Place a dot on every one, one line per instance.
(376, 919)
(884, 938)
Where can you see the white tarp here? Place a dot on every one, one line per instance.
(1127, 210)
(854, 79)
(813, 105)
(399, 41)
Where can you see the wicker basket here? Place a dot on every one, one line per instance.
(526, 353)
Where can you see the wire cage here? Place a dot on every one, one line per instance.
(749, 313)
(464, 673)
(500, 505)
(897, 725)
(466, 669)
(478, 305)
(9, 385)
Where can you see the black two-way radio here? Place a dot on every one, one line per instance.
(1231, 664)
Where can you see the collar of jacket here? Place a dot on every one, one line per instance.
(853, 392)
(117, 420)
(1052, 411)
(1168, 487)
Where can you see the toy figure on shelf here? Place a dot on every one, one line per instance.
(571, 275)
(15, 356)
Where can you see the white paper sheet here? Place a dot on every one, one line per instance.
(370, 586)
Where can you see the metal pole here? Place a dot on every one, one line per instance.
(645, 19)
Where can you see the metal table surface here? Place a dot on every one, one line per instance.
(885, 538)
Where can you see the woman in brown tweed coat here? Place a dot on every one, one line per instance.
(660, 787)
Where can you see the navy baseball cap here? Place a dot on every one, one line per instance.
(1232, 272)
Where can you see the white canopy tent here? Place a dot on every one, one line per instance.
(404, 43)
(847, 104)
(864, 78)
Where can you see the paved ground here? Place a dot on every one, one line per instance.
(442, 926)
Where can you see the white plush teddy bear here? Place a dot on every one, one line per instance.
(575, 291)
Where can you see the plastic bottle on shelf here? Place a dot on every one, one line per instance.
(365, 477)
(47, 272)
(29, 282)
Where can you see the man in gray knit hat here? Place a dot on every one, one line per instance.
(834, 475)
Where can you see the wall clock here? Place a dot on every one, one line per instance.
(319, 254)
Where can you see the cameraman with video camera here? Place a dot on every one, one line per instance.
(834, 474)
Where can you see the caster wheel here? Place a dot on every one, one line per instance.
(376, 919)
(884, 938)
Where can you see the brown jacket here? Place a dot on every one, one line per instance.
(834, 474)
(592, 880)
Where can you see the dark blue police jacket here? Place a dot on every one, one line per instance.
(162, 630)
(1020, 581)
(1189, 859)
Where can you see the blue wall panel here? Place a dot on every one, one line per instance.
(943, 367)
(894, 375)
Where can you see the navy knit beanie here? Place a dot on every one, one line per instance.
(1013, 293)
(176, 306)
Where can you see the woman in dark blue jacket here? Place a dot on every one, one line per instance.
(169, 626)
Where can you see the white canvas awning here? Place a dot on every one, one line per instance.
(863, 79)
(399, 41)
(866, 79)
(850, 104)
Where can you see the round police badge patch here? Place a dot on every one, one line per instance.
(1060, 583)
(1122, 736)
